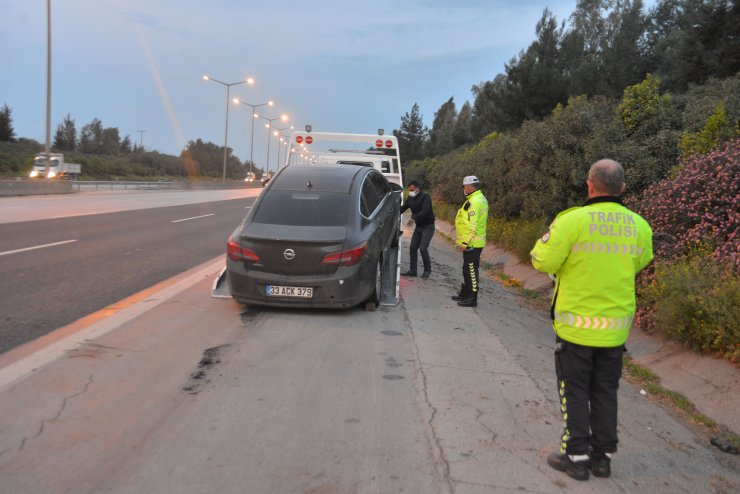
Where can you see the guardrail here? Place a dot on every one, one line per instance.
(122, 185)
(22, 186)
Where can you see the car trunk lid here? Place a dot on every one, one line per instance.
(293, 250)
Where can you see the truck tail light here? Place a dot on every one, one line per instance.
(348, 257)
(238, 253)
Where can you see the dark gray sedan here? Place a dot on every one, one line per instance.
(316, 237)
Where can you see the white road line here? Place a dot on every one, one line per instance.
(116, 318)
(193, 218)
(247, 207)
(36, 247)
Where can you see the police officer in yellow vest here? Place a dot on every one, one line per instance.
(594, 251)
(470, 238)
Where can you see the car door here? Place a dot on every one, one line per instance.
(371, 212)
(387, 224)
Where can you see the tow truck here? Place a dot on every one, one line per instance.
(376, 150)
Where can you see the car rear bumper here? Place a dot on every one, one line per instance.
(347, 287)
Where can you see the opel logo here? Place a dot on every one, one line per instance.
(289, 254)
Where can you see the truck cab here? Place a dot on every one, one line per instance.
(57, 167)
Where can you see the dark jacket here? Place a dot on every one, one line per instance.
(421, 209)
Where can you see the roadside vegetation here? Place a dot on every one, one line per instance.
(105, 156)
(646, 92)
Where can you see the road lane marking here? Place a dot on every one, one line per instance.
(15, 365)
(8, 252)
(193, 218)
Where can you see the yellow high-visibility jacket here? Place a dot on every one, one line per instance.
(471, 221)
(594, 251)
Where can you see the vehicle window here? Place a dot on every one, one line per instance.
(369, 198)
(285, 207)
(382, 187)
(374, 189)
(385, 167)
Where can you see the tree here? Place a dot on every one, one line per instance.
(535, 82)
(65, 138)
(91, 137)
(622, 51)
(7, 133)
(581, 46)
(461, 133)
(488, 115)
(111, 141)
(693, 40)
(440, 138)
(412, 135)
(126, 145)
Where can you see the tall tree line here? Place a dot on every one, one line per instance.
(604, 47)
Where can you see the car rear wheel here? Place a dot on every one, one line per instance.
(375, 298)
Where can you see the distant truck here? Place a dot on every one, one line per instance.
(57, 167)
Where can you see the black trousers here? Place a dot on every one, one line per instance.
(471, 261)
(588, 380)
(420, 241)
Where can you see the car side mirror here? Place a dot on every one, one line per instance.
(395, 187)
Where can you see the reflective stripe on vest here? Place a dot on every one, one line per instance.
(594, 322)
(607, 248)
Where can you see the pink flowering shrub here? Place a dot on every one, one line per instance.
(694, 216)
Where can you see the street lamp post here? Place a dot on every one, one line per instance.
(251, 142)
(284, 118)
(279, 135)
(228, 85)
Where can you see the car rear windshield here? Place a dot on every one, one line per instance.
(285, 207)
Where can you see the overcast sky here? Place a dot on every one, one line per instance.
(340, 65)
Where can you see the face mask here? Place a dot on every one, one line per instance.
(413, 193)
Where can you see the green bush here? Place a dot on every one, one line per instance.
(696, 300)
(517, 236)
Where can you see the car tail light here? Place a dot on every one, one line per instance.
(348, 257)
(238, 253)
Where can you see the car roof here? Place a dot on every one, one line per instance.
(323, 178)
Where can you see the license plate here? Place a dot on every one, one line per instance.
(289, 291)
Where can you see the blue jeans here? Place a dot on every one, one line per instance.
(420, 241)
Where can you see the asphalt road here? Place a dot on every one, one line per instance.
(80, 264)
(191, 394)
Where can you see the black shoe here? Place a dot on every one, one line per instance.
(469, 301)
(575, 469)
(601, 465)
(410, 274)
(461, 294)
(426, 273)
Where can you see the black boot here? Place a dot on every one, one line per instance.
(461, 294)
(575, 469)
(469, 301)
(426, 273)
(600, 465)
(409, 273)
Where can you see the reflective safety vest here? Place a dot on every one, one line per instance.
(471, 221)
(594, 251)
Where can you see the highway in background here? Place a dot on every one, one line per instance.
(55, 271)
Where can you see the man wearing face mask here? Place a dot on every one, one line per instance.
(422, 215)
(470, 238)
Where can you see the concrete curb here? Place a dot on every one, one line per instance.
(711, 383)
